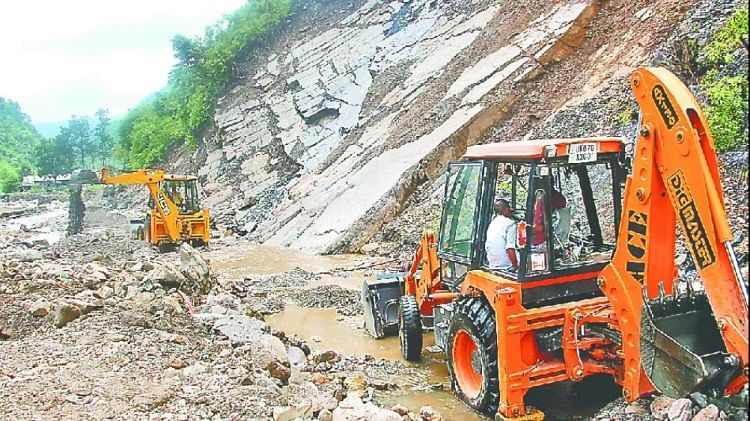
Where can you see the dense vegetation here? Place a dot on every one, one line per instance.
(23, 151)
(185, 105)
(77, 145)
(727, 112)
(18, 138)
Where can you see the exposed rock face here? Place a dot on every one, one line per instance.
(336, 129)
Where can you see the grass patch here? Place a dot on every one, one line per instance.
(727, 109)
(724, 44)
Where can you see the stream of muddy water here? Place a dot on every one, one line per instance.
(324, 329)
(39, 223)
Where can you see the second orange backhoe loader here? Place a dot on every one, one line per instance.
(174, 214)
(596, 288)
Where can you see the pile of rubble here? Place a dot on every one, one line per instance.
(696, 407)
(99, 323)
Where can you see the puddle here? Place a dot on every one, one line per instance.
(253, 259)
(334, 334)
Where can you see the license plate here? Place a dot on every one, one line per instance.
(582, 152)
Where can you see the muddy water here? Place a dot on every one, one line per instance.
(251, 259)
(324, 329)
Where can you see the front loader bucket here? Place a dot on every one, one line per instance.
(380, 299)
(83, 177)
(681, 348)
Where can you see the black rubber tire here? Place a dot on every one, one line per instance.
(410, 328)
(475, 316)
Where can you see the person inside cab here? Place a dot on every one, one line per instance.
(501, 238)
(560, 216)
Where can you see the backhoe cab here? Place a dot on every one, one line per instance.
(596, 289)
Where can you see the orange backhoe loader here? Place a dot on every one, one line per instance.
(596, 289)
(174, 216)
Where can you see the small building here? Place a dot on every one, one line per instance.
(45, 182)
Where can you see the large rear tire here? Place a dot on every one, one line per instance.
(472, 355)
(410, 328)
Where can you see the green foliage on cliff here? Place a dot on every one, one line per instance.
(724, 43)
(727, 109)
(185, 105)
(18, 138)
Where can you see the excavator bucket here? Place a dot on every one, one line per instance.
(84, 177)
(681, 347)
(380, 299)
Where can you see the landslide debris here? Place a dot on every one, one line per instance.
(99, 325)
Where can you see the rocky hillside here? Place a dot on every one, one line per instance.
(338, 127)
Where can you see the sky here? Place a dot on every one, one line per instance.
(72, 57)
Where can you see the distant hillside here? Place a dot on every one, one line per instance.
(50, 129)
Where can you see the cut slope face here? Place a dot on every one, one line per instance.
(326, 141)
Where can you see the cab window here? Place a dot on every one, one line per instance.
(459, 209)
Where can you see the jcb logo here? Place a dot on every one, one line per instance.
(636, 266)
(700, 246)
(163, 204)
(666, 109)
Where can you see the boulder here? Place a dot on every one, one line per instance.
(65, 314)
(709, 413)
(660, 407)
(297, 357)
(267, 349)
(279, 371)
(400, 409)
(325, 415)
(40, 308)
(352, 408)
(355, 383)
(240, 329)
(289, 413)
(329, 356)
(681, 410)
(165, 274)
(28, 255)
(193, 266)
(87, 306)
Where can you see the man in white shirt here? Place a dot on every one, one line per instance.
(501, 238)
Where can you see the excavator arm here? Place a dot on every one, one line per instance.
(166, 208)
(676, 340)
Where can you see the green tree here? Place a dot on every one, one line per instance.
(10, 179)
(54, 157)
(104, 141)
(18, 138)
(78, 134)
(187, 51)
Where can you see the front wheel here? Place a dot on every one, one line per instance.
(472, 355)
(410, 328)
